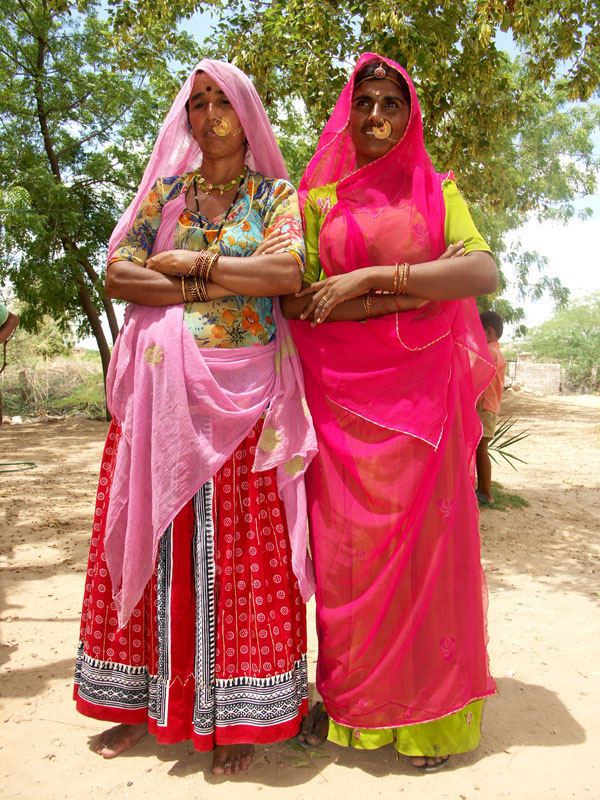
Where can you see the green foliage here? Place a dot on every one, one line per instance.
(82, 98)
(75, 135)
(572, 337)
(295, 136)
(62, 385)
(504, 499)
(46, 375)
(49, 341)
(504, 126)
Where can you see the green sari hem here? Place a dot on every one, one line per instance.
(456, 733)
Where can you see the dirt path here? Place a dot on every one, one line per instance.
(541, 732)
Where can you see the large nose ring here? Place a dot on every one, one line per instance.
(383, 130)
(222, 127)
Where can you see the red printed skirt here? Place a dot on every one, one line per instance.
(215, 650)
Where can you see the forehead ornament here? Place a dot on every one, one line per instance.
(379, 74)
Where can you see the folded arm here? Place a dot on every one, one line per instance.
(340, 297)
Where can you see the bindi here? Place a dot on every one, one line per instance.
(209, 88)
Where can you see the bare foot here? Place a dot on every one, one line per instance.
(429, 764)
(115, 740)
(229, 759)
(315, 726)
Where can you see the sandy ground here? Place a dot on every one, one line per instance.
(541, 731)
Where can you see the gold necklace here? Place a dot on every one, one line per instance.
(207, 187)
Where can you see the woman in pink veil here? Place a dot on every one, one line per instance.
(394, 360)
(193, 623)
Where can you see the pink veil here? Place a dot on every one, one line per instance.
(405, 171)
(176, 151)
(394, 523)
(210, 398)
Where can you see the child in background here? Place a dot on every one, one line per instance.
(488, 405)
(8, 323)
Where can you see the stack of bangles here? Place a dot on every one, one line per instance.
(372, 308)
(198, 276)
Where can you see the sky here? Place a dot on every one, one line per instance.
(572, 250)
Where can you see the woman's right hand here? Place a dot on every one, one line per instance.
(271, 244)
(453, 250)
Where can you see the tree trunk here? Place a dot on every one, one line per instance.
(111, 316)
(96, 326)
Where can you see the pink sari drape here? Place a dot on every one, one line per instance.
(401, 595)
(184, 409)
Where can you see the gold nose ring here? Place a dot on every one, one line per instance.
(222, 127)
(382, 131)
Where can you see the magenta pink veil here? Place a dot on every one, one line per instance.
(401, 597)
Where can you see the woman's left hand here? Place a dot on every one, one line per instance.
(172, 262)
(329, 293)
(271, 244)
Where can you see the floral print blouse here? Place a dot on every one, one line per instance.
(264, 205)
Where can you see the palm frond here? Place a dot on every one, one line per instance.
(504, 439)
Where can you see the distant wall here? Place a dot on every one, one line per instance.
(542, 378)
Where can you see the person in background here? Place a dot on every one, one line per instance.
(8, 323)
(488, 405)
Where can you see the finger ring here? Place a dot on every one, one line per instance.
(324, 299)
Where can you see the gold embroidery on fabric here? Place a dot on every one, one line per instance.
(291, 346)
(294, 465)
(423, 347)
(270, 439)
(277, 362)
(154, 354)
(305, 407)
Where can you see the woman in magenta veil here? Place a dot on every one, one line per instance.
(394, 359)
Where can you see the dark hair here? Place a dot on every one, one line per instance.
(368, 71)
(491, 319)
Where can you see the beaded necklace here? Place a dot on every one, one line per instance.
(207, 187)
(239, 181)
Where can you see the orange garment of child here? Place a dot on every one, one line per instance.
(491, 397)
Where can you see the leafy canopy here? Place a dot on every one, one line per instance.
(508, 127)
(75, 130)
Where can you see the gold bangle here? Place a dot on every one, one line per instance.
(370, 296)
(213, 264)
(193, 269)
(201, 289)
(364, 299)
(183, 288)
(404, 281)
(202, 260)
(396, 275)
(209, 263)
